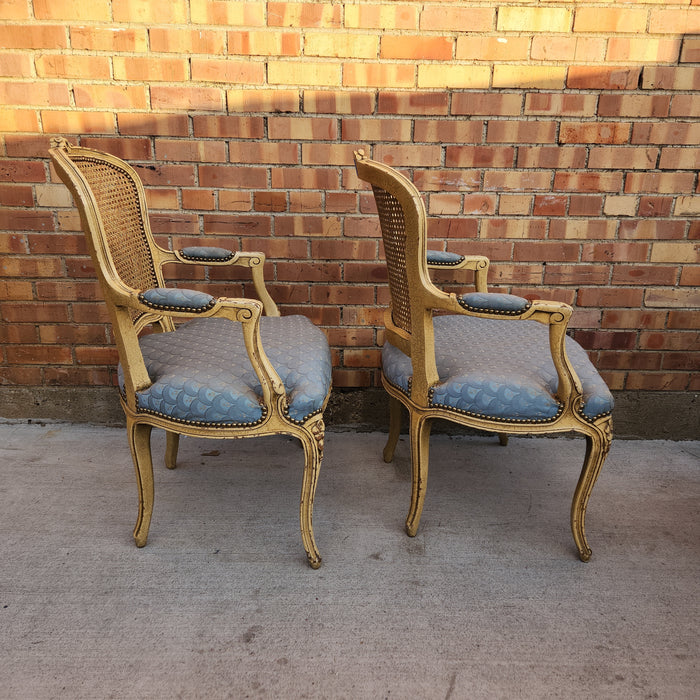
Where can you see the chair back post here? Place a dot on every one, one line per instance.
(403, 223)
(67, 161)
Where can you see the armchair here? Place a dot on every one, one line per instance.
(496, 362)
(213, 367)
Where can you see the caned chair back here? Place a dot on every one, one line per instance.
(112, 206)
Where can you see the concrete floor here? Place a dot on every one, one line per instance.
(488, 601)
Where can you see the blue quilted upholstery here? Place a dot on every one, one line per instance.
(441, 257)
(499, 369)
(498, 303)
(201, 372)
(177, 299)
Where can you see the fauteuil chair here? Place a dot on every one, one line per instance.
(214, 367)
(495, 362)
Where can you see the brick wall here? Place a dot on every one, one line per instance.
(558, 138)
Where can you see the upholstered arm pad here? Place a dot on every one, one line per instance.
(187, 300)
(205, 254)
(501, 304)
(441, 258)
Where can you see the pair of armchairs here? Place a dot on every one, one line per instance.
(196, 365)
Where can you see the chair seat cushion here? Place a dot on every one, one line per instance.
(499, 369)
(201, 372)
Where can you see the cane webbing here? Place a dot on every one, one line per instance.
(125, 236)
(393, 225)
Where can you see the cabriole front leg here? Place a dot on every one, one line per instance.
(140, 444)
(597, 448)
(313, 454)
(420, 447)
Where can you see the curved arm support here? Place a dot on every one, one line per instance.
(438, 260)
(247, 312)
(553, 314)
(217, 257)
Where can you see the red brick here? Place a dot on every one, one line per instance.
(454, 18)
(150, 11)
(117, 39)
(425, 103)
(72, 66)
(337, 102)
(603, 77)
(121, 97)
(187, 98)
(228, 224)
(25, 220)
(585, 205)
(126, 148)
(655, 206)
(659, 182)
(629, 360)
(153, 124)
(384, 17)
(305, 178)
(35, 37)
(76, 122)
(476, 48)
(521, 132)
(562, 157)
(380, 75)
(645, 275)
(657, 381)
(684, 319)
(529, 229)
(545, 251)
(486, 103)
(612, 296)
(678, 159)
(672, 133)
(197, 151)
(517, 180)
(614, 252)
(227, 71)
(413, 47)
(590, 229)
(633, 318)
(550, 205)
(479, 156)
(410, 156)
(166, 175)
(38, 355)
(652, 229)
(677, 340)
(377, 130)
(622, 157)
(303, 14)
(588, 182)
(16, 195)
(447, 180)
(16, 65)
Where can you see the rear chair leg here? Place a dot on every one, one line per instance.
(394, 428)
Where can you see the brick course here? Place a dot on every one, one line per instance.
(560, 139)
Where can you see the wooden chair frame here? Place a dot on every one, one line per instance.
(130, 315)
(417, 342)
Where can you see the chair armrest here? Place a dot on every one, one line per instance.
(214, 256)
(501, 304)
(439, 259)
(553, 314)
(188, 303)
(205, 254)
